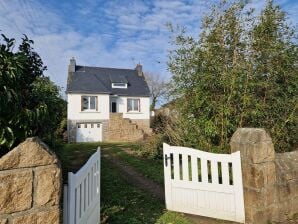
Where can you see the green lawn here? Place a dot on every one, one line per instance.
(120, 201)
(153, 169)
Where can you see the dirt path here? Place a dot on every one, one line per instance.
(134, 177)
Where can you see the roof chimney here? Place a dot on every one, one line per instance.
(139, 69)
(72, 65)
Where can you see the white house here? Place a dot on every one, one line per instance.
(107, 104)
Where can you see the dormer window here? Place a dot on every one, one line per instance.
(119, 85)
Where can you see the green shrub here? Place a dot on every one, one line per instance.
(152, 146)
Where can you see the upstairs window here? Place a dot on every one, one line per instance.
(133, 105)
(119, 85)
(89, 103)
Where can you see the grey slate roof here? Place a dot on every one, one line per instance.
(99, 80)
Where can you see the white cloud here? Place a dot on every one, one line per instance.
(103, 33)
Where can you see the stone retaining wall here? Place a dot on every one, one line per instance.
(123, 129)
(270, 180)
(30, 185)
(143, 124)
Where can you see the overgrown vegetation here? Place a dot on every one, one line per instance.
(241, 72)
(30, 104)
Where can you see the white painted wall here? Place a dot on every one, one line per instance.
(145, 108)
(74, 107)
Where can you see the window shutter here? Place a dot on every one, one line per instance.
(127, 105)
(96, 103)
(139, 102)
(81, 103)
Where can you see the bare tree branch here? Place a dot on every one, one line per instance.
(158, 87)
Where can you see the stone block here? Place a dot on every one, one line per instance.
(253, 176)
(250, 135)
(253, 198)
(293, 188)
(3, 221)
(48, 186)
(258, 175)
(42, 217)
(294, 206)
(283, 192)
(249, 214)
(254, 143)
(30, 153)
(270, 196)
(282, 212)
(262, 216)
(261, 152)
(15, 191)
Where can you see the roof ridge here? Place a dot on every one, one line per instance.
(106, 67)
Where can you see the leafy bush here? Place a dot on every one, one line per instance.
(241, 72)
(151, 147)
(30, 104)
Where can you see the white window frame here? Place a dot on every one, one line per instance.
(133, 100)
(89, 103)
(114, 85)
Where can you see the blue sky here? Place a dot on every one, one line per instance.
(114, 33)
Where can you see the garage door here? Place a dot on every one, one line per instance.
(89, 132)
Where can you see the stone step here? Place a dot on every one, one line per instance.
(123, 129)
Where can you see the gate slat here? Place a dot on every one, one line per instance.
(238, 184)
(204, 170)
(194, 168)
(167, 174)
(88, 187)
(214, 171)
(176, 167)
(185, 167)
(78, 203)
(225, 173)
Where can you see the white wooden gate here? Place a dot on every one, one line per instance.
(203, 183)
(82, 195)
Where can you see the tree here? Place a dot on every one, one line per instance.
(29, 103)
(157, 87)
(46, 92)
(241, 72)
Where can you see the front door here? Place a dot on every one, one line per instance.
(114, 107)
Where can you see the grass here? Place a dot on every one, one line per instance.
(120, 201)
(125, 204)
(74, 156)
(153, 169)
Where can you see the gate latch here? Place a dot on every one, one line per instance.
(166, 159)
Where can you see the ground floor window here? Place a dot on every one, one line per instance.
(133, 105)
(89, 103)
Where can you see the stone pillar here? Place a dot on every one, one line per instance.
(30, 185)
(258, 171)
